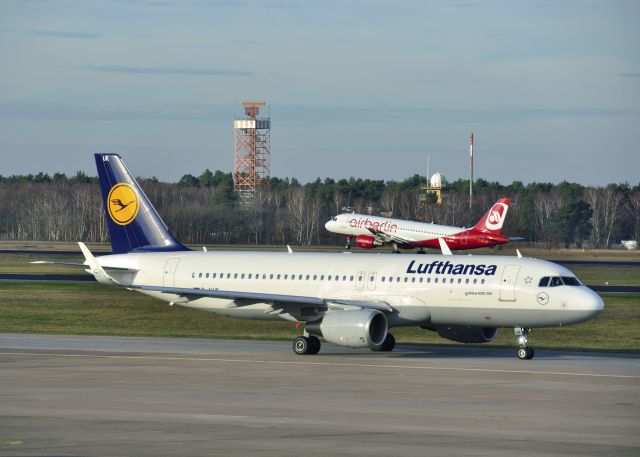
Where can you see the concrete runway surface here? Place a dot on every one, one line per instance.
(110, 396)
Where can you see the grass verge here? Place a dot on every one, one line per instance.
(94, 309)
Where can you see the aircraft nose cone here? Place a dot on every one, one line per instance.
(592, 303)
(328, 225)
(597, 303)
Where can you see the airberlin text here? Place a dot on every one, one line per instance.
(365, 222)
(448, 268)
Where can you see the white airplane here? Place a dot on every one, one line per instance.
(373, 231)
(349, 299)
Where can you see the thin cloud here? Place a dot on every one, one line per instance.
(629, 75)
(66, 34)
(295, 114)
(165, 71)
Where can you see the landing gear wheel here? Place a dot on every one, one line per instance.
(301, 345)
(306, 345)
(524, 352)
(314, 345)
(387, 345)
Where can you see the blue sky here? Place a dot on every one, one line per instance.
(355, 88)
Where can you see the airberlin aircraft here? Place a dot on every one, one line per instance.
(372, 231)
(348, 299)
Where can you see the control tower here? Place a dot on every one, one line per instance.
(252, 167)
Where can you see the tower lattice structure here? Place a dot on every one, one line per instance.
(252, 167)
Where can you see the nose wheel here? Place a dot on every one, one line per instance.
(524, 352)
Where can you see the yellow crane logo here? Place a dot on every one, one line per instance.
(122, 204)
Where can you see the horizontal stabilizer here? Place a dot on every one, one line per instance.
(62, 264)
(81, 265)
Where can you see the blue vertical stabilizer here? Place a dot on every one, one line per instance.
(134, 224)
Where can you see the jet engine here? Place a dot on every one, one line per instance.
(356, 329)
(367, 242)
(465, 333)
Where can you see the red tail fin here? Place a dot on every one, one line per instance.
(493, 220)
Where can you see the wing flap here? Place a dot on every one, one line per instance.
(385, 237)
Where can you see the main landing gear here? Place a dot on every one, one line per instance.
(524, 352)
(387, 345)
(306, 344)
(395, 248)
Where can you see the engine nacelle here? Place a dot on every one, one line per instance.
(356, 329)
(466, 333)
(367, 242)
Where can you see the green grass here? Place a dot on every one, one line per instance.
(615, 276)
(94, 309)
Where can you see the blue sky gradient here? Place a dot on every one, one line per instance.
(355, 88)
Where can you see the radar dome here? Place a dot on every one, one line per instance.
(438, 180)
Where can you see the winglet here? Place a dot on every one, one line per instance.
(444, 247)
(519, 255)
(289, 249)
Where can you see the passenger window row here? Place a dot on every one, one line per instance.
(435, 280)
(272, 276)
(335, 278)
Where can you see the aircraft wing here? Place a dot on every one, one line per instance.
(385, 237)
(278, 300)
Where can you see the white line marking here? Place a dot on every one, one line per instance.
(332, 364)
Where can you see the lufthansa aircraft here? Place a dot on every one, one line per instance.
(349, 299)
(372, 231)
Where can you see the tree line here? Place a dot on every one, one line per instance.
(204, 209)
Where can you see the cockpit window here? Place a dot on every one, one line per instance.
(571, 281)
(555, 281)
(335, 219)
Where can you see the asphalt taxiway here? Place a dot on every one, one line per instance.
(96, 396)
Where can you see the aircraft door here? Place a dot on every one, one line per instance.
(360, 280)
(508, 283)
(169, 272)
(371, 280)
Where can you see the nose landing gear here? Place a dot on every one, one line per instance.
(524, 352)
